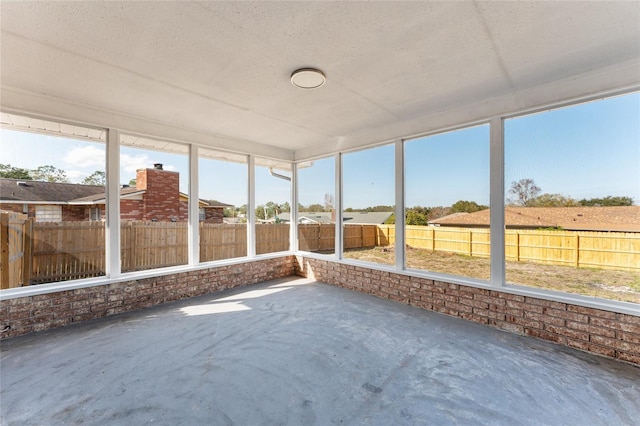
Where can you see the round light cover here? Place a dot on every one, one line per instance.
(308, 78)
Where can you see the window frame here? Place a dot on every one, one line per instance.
(496, 282)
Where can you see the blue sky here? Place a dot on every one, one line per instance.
(585, 151)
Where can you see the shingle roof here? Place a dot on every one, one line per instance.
(347, 217)
(19, 190)
(71, 193)
(620, 218)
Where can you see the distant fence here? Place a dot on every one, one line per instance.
(34, 253)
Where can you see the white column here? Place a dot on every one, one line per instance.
(293, 215)
(400, 219)
(112, 231)
(251, 209)
(496, 201)
(338, 207)
(194, 208)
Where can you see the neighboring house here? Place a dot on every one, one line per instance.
(360, 218)
(621, 219)
(156, 197)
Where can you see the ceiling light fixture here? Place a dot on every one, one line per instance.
(308, 78)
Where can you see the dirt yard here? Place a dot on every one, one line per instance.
(608, 284)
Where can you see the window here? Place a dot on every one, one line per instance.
(95, 214)
(272, 197)
(223, 195)
(48, 213)
(153, 203)
(316, 202)
(447, 203)
(572, 185)
(369, 200)
(65, 169)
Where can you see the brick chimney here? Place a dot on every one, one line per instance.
(162, 193)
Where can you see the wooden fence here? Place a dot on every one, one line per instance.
(36, 253)
(46, 252)
(15, 249)
(581, 249)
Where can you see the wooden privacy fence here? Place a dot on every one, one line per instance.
(581, 249)
(15, 249)
(73, 250)
(35, 253)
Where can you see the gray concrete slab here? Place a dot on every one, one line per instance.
(299, 353)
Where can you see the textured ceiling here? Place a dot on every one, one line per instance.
(393, 69)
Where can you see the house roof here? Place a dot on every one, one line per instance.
(347, 217)
(20, 190)
(622, 218)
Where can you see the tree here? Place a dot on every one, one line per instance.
(7, 171)
(438, 212)
(49, 173)
(314, 208)
(467, 207)
(329, 202)
(552, 200)
(607, 201)
(416, 218)
(96, 178)
(132, 183)
(523, 191)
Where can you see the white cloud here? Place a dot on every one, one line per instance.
(90, 156)
(130, 163)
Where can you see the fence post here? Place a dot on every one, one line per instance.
(27, 256)
(433, 239)
(577, 257)
(470, 243)
(4, 249)
(517, 246)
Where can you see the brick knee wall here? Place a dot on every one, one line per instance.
(611, 334)
(35, 313)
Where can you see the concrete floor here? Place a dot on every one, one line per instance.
(300, 353)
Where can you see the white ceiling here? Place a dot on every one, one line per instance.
(219, 71)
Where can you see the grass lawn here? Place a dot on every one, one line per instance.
(607, 284)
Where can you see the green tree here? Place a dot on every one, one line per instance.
(49, 173)
(96, 178)
(467, 207)
(8, 171)
(314, 208)
(607, 201)
(261, 212)
(553, 200)
(523, 192)
(416, 218)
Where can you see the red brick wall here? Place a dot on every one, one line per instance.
(611, 334)
(131, 210)
(214, 215)
(162, 195)
(17, 208)
(75, 213)
(35, 313)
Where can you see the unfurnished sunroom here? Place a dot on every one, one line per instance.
(475, 159)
